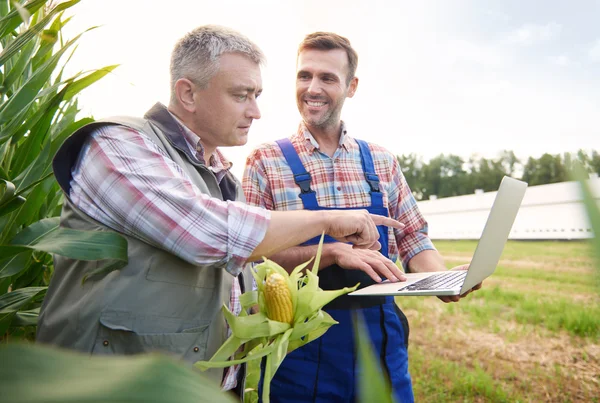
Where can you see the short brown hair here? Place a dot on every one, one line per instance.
(329, 41)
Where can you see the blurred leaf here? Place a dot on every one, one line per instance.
(593, 212)
(36, 374)
(373, 386)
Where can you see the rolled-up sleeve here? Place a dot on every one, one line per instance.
(413, 238)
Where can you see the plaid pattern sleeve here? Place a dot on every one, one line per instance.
(339, 182)
(413, 238)
(123, 180)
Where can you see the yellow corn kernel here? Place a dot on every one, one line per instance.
(278, 299)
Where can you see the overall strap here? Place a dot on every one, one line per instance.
(369, 169)
(301, 176)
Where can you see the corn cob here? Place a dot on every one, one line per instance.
(278, 299)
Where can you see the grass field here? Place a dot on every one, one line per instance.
(531, 334)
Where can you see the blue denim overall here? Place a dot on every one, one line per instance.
(325, 370)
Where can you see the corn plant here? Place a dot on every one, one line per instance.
(289, 316)
(38, 110)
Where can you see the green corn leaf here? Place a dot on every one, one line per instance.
(14, 18)
(16, 300)
(249, 299)
(273, 362)
(46, 236)
(34, 170)
(28, 35)
(69, 377)
(227, 350)
(7, 191)
(251, 326)
(29, 91)
(14, 265)
(16, 72)
(29, 212)
(26, 318)
(9, 199)
(81, 84)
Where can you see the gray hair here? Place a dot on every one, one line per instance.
(196, 55)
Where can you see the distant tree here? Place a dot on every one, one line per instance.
(411, 166)
(510, 162)
(595, 162)
(547, 169)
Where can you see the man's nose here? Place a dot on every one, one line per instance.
(314, 88)
(253, 111)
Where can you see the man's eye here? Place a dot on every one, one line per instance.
(241, 97)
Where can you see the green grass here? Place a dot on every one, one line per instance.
(542, 295)
(524, 249)
(448, 381)
(554, 313)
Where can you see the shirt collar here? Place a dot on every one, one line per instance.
(312, 144)
(217, 162)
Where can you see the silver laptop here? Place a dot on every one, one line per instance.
(486, 257)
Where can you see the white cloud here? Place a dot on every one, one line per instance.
(530, 34)
(561, 60)
(594, 51)
(461, 50)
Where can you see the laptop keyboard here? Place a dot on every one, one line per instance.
(444, 280)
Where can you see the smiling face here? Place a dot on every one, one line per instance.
(321, 87)
(223, 111)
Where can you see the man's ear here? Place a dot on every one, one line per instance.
(352, 87)
(184, 93)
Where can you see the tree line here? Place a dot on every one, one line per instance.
(450, 175)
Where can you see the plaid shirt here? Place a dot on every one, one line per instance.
(126, 182)
(338, 181)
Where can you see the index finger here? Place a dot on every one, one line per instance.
(387, 221)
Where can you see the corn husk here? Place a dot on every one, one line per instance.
(263, 337)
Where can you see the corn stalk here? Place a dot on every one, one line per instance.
(38, 110)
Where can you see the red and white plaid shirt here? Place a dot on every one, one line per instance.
(124, 181)
(338, 181)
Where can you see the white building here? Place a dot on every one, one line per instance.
(554, 211)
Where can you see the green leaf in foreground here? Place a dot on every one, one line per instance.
(373, 386)
(32, 374)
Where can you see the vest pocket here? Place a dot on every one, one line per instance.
(124, 333)
(168, 269)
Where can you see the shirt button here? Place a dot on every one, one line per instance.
(339, 188)
(105, 343)
(196, 349)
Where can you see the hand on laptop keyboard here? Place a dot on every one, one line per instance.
(372, 262)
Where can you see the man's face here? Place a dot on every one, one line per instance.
(224, 111)
(321, 86)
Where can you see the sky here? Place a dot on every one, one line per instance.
(464, 77)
